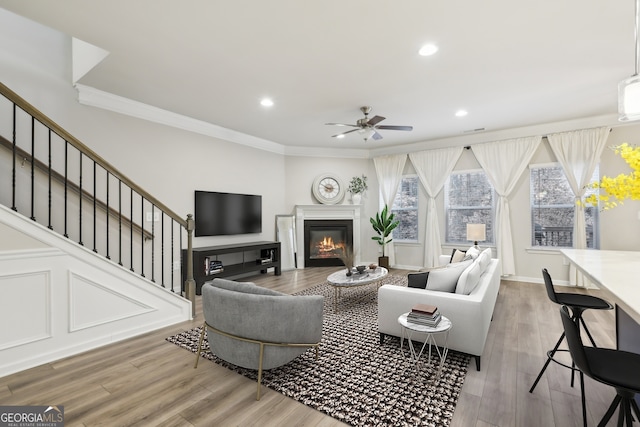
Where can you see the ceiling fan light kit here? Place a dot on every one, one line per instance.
(368, 128)
(367, 133)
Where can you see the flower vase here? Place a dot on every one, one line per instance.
(356, 198)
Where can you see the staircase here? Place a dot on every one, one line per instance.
(87, 257)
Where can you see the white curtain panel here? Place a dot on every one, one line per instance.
(579, 153)
(433, 167)
(504, 162)
(389, 172)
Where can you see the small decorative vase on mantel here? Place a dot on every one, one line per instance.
(357, 186)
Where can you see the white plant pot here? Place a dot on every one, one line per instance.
(356, 199)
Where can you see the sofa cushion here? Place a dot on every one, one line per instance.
(457, 255)
(469, 278)
(445, 279)
(417, 280)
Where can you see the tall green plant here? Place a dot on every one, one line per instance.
(384, 223)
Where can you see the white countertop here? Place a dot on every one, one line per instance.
(616, 271)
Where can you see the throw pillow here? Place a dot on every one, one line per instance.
(417, 280)
(445, 279)
(472, 253)
(484, 259)
(457, 255)
(469, 279)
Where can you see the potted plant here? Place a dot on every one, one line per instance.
(384, 223)
(357, 186)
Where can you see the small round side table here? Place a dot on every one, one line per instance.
(409, 329)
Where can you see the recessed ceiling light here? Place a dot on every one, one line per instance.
(340, 136)
(266, 102)
(428, 49)
(461, 113)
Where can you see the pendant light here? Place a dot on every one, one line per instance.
(629, 89)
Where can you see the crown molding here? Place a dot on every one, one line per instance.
(97, 98)
(342, 153)
(503, 134)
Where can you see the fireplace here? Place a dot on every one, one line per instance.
(333, 214)
(325, 241)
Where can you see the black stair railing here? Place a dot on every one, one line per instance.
(51, 177)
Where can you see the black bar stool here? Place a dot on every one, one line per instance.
(617, 368)
(578, 303)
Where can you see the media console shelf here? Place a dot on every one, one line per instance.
(236, 259)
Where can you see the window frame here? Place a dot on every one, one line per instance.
(416, 209)
(490, 242)
(532, 207)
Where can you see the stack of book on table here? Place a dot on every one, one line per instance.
(424, 314)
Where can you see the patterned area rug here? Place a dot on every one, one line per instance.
(356, 379)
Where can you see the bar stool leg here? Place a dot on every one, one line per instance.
(610, 411)
(584, 403)
(636, 410)
(584, 326)
(549, 357)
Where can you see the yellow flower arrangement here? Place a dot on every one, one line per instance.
(624, 186)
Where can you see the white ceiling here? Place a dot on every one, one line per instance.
(510, 64)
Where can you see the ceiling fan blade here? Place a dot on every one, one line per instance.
(375, 119)
(390, 127)
(341, 124)
(344, 133)
(376, 136)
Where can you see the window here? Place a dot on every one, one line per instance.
(552, 209)
(405, 207)
(469, 199)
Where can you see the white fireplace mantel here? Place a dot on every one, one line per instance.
(304, 212)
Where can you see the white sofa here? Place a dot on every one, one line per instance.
(470, 314)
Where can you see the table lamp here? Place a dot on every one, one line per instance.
(476, 232)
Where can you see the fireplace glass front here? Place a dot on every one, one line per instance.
(326, 240)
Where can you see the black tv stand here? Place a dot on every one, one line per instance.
(237, 259)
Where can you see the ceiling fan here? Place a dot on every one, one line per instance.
(368, 128)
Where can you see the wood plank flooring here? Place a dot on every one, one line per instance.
(147, 381)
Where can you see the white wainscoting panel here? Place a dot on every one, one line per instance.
(85, 313)
(26, 298)
(63, 299)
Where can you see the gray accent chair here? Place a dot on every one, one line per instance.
(258, 328)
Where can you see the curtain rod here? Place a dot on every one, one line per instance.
(468, 147)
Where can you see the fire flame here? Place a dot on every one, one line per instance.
(327, 247)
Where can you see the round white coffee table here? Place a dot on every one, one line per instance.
(339, 280)
(409, 329)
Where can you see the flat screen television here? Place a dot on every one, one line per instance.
(219, 214)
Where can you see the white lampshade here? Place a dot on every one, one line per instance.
(476, 232)
(629, 99)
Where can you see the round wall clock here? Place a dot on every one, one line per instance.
(328, 189)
